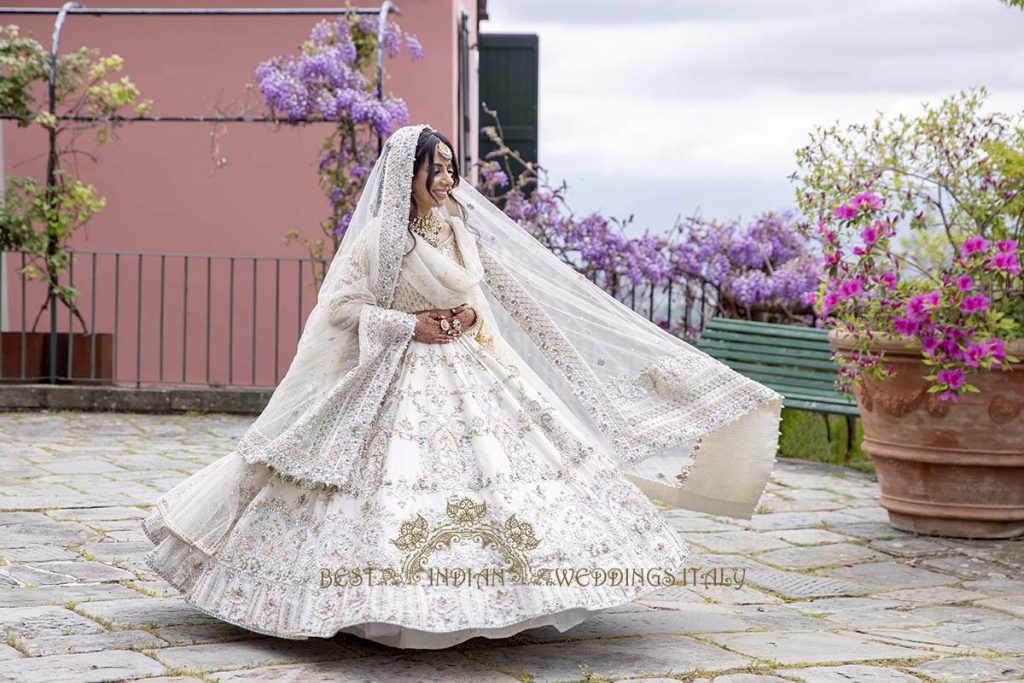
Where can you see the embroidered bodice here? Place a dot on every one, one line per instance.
(408, 299)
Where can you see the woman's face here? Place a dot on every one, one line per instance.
(444, 179)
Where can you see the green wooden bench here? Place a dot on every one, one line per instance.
(794, 361)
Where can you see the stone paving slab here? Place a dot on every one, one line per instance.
(613, 658)
(829, 591)
(811, 647)
(972, 669)
(401, 668)
(93, 642)
(805, 557)
(86, 667)
(860, 673)
(251, 652)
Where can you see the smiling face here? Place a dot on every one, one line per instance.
(433, 196)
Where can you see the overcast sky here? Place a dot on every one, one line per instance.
(660, 108)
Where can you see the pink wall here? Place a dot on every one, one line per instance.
(165, 196)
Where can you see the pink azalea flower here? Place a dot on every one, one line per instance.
(828, 302)
(997, 348)
(949, 396)
(1007, 245)
(952, 377)
(869, 234)
(915, 308)
(905, 326)
(964, 283)
(929, 343)
(849, 288)
(974, 303)
(1006, 261)
(889, 278)
(845, 211)
(866, 200)
(974, 354)
(973, 244)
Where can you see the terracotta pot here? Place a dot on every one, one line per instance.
(944, 468)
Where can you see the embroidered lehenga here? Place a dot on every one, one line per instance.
(421, 494)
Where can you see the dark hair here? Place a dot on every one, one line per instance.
(426, 145)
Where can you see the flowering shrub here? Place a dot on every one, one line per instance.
(766, 265)
(328, 79)
(953, 178)
(41, 217)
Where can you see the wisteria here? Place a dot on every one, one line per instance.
(328, 79)
(766, 266)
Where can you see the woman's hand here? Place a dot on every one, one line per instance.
(428, 324)
(428, 328)
(466, 315)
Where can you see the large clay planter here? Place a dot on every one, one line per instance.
(944, 468)
(81, 358)
(12, 369)
(37, 358)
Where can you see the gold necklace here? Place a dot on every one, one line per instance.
(428, 227)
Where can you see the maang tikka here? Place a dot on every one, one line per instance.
(444, 150)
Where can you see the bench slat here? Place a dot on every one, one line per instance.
(794, 361)
(818, 407)
(811, 376)
(771, 329)
(823, 390)
(756, 356)
(762, 340)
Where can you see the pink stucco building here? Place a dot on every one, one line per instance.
(168, 197)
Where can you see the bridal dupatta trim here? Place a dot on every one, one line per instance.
(322, 448)
(680, 399)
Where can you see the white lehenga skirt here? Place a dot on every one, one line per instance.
(472, 477)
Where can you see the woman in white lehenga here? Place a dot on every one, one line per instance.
(465, 441)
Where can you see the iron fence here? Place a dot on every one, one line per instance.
(200, 320)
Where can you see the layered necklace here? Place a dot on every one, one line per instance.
(428, 227)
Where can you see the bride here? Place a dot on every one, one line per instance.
(465, 442)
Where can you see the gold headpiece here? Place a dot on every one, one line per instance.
(444, 149)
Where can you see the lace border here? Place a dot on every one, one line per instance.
(356, 398)
(296, 611)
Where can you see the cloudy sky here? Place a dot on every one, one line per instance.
(665, 107)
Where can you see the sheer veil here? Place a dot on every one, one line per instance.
(687, 429)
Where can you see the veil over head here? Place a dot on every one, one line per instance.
(686, 428)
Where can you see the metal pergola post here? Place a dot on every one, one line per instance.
(67, 8)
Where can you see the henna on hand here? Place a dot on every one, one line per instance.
(428, 328)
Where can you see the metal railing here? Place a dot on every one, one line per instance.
(160, 319)
(53, 345)
(199, 320)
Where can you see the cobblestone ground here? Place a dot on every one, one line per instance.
(830, 592)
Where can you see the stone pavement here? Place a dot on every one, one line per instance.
(829, 591)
